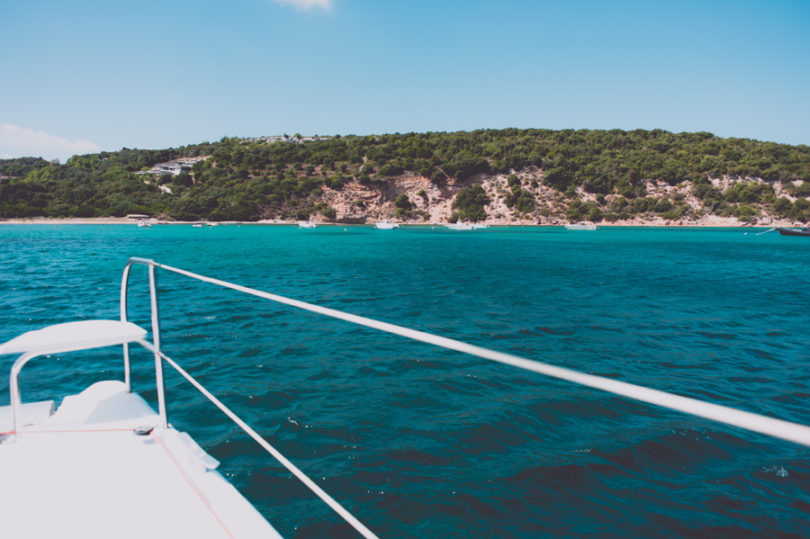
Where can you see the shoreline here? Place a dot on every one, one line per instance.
(712, 222)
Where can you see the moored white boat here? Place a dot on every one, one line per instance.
(460, 226)
(385, 224)
(582, 225)
(306, 224)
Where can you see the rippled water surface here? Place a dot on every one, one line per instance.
(421, 442)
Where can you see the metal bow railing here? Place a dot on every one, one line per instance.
(777, 428)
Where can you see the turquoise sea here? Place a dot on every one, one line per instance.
(420, 442)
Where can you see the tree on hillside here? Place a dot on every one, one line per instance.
(469, 204)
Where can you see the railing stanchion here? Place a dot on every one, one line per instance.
(161, 393)
(14, 389)
(124, 290)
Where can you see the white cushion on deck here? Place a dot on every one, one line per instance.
(104, 402)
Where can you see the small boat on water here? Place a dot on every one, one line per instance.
(793, 231)
(480, 226)
(385, 224)
(144, 224)
(582, 225)
(306, 224)
(460, 226)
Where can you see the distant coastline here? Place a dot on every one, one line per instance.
(708, 222)
(501, 177)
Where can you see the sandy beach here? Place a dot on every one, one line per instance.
(708, 221)
(69, 221)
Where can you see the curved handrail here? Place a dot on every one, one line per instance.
(59, 338)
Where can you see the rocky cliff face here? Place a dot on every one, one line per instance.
(432, 204)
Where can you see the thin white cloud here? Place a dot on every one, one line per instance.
(307, 5)
(16, 141)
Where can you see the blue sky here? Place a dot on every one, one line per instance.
(87, 75)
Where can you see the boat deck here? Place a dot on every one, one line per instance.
(92, 469)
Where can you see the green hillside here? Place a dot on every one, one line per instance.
(251, 179)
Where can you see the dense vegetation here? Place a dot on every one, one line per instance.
(469, 204)
(253, 179)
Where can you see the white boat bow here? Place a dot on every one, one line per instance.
(105, 464)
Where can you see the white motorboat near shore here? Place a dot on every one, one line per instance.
(460, 226)
(306, 224)
(582, 225)
(385, 224)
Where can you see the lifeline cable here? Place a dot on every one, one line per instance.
(777, 428)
